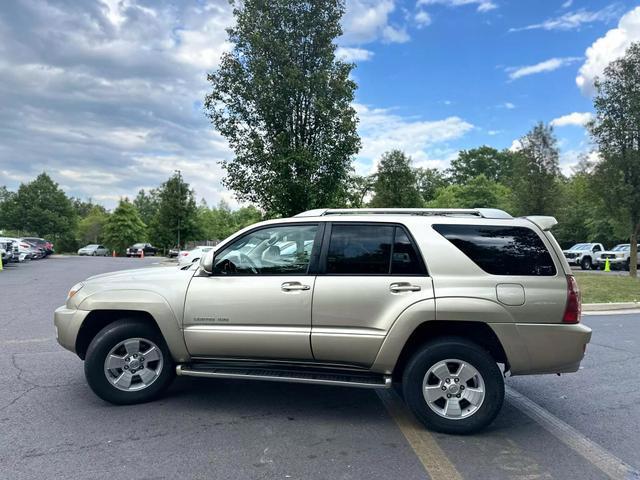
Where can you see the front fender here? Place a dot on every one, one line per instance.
(143, 301)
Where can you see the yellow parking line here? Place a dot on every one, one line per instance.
(434, 460)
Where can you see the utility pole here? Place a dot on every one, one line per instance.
(180, 202)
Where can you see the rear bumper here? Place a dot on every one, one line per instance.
(67, 323)
(543, 348)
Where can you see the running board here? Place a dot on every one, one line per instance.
(347, 379)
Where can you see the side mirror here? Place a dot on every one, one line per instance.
(206, 262)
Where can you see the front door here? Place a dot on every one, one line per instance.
(370, 273)
(257, 302)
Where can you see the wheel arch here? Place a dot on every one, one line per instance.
(477, 332)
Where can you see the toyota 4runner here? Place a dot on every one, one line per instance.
(440, 303)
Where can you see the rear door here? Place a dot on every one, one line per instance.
(369, 274)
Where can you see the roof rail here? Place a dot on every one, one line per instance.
(478, 212)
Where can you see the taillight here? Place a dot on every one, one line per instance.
(24, 245)
(572, 312)
(184, 254)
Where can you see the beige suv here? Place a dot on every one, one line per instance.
(440, 303)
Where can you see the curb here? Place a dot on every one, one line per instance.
(602, 307)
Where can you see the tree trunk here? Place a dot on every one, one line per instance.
(633, 254)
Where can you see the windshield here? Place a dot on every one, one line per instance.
(91, 246)
(138, 245)
(581, 246)
(622, 247)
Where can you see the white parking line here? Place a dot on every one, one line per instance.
(27, 340)
(608, 463)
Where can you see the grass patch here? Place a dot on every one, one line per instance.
(608, 288)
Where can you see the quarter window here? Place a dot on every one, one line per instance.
(501, 250)
(270, 251)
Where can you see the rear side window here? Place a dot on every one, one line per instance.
(371, 250)
(501, 250)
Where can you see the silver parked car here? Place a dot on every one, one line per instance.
(94, 250)
(433, 300)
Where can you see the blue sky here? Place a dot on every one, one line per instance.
(106, 95)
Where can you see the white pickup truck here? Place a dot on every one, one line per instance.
(619, 256)
(586, 255)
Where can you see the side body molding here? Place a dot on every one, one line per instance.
(144, 301)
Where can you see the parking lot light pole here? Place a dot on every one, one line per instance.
(180, 200)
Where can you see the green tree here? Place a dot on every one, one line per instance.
(147, 204)
(175, 221)
(358, 189)
(536, 173)
(478, 192)
(429, 181)
(395, 183)
(91, 227)
(124, 227)
(218, 223)
(495, 165)
(284, 103)
(41, 208)
(616, 130)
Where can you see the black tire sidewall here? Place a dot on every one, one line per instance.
(460, 349)
(586, 264)
(100, 347)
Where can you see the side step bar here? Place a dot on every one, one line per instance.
(347, 379)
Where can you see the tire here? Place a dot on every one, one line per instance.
(586, 263)
(93, 254)
(471, 418)
(627, 266)
(112, 336)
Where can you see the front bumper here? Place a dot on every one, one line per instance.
(534, 348)
(67, 323)
(612, 261)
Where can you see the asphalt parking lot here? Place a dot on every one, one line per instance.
(584, 425)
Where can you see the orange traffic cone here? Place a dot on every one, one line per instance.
(142, 253)
(113, 254)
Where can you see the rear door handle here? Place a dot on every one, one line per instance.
(294, 286)
(403, 287)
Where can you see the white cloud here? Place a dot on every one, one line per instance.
(494, 132)
(422, 18)
(608, 48)
(573, 20)
(545, 66)
(366, 21)
(353, 54)
(567, 4)
(483, 5)
(578, 119)
(508, 105)
(382, 130)
(516, 145)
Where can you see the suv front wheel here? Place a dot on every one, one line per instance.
(128, 362)
(453, 386)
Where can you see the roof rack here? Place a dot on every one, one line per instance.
(477, 212)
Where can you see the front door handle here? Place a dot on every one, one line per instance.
(403, 287)
(294, 286)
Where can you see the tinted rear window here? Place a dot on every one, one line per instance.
(501, 250)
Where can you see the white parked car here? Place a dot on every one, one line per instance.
(585, 255)
(187, 257)
(619, 257)
(94, 250)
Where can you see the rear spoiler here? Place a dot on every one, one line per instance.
(544, 222)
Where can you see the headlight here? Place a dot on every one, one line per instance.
(75, 289)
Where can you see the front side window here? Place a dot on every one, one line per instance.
(269, 251)
(501, 250)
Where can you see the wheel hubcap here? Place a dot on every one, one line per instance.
(453, 389)
(133, 364)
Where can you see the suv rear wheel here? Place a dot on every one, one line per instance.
(128, 362)
(453, 386)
